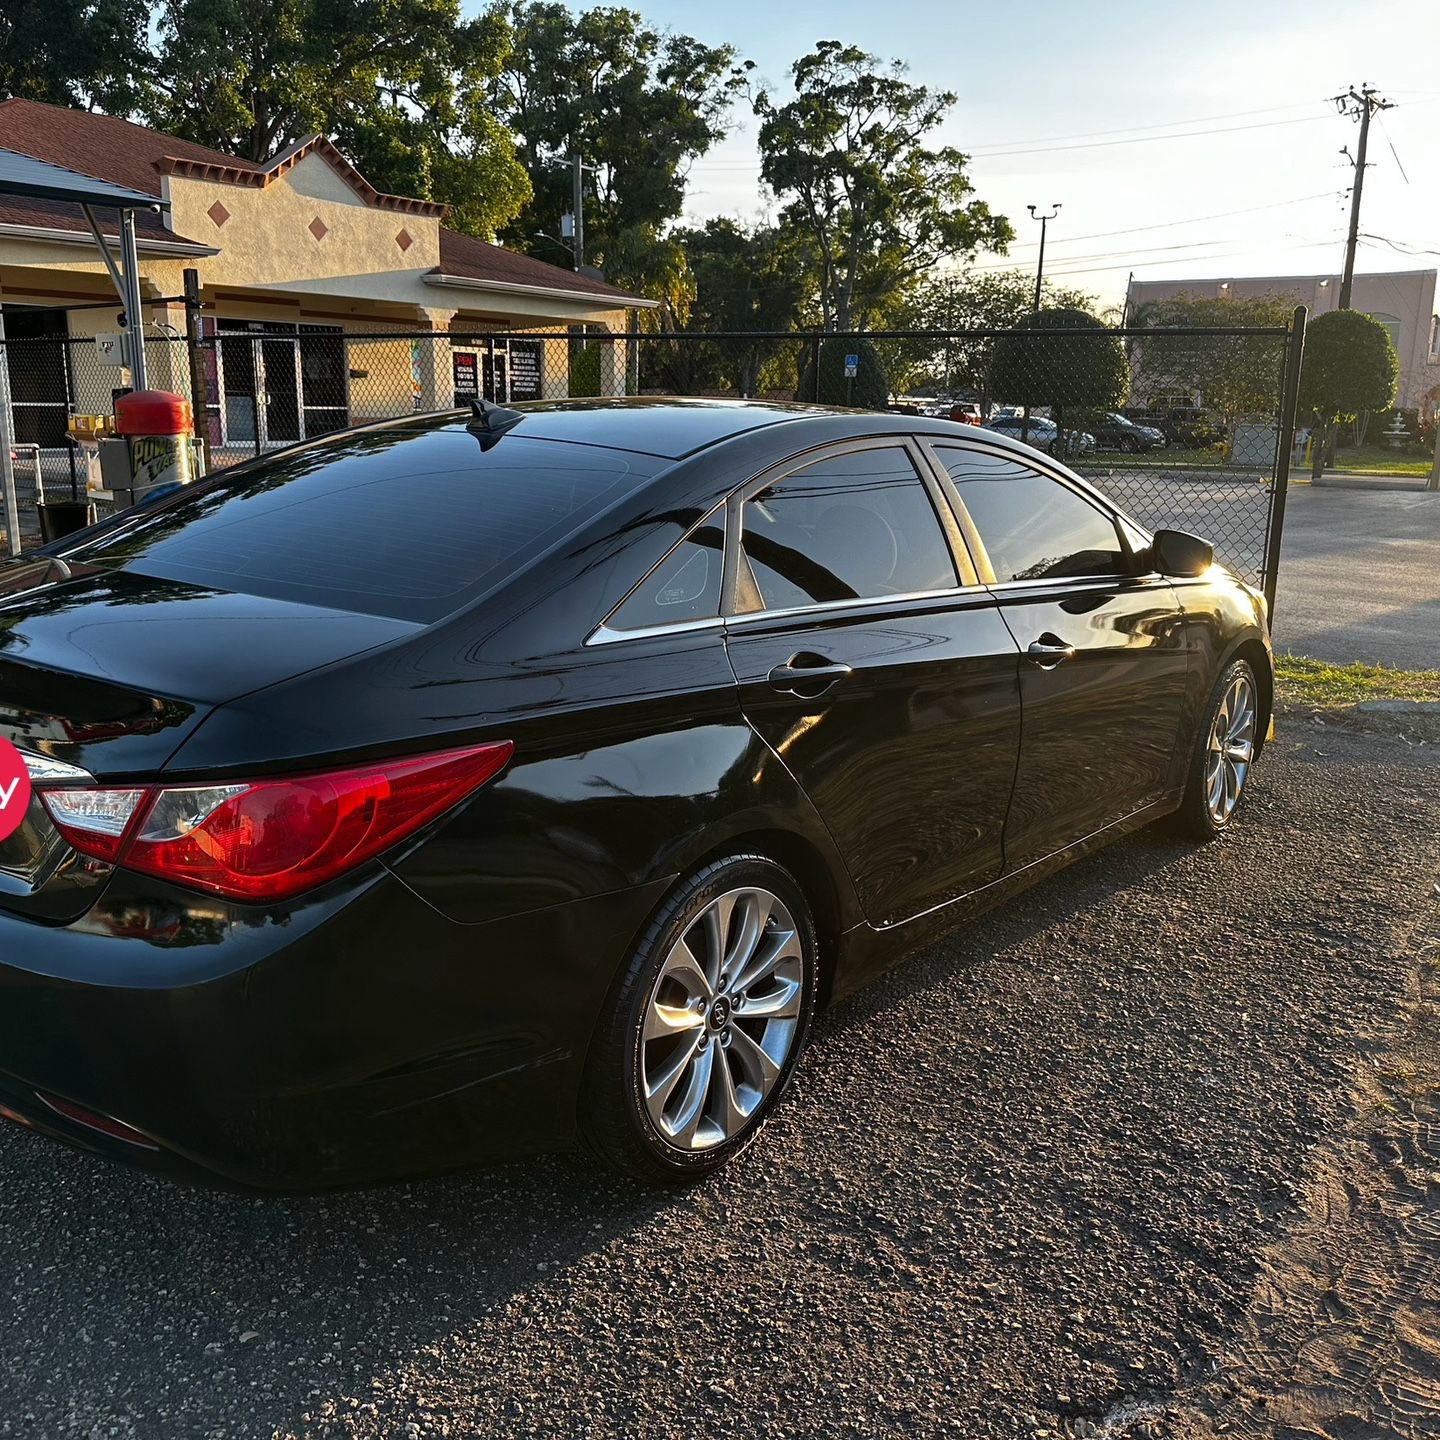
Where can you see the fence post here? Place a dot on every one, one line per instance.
(199, 380)
(7, 436)
(1289, 403)
(257, 359)
(815, 365)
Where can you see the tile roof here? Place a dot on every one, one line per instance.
(127, 154)
(472, 259)
(100, 145)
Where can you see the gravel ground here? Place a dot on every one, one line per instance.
(1026, 1185)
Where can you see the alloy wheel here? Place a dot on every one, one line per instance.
(721, 1019)
(1231, 748)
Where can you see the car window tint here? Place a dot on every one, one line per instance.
(684, 586)
(854, 526)
(406, 522)
(1033, 527)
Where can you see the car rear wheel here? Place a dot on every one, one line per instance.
(1225, 749)
(704, 1026)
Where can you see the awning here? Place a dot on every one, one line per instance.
(25, 175)
(39, 180)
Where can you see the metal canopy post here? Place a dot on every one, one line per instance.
(134, 319)
(126, 279)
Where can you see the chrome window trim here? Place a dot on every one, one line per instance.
(602, 634)
(866, 602)
(43, 770)
(605, 634)
(1089, 581)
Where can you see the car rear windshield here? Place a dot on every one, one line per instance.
(407, 523)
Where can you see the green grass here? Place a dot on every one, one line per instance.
(1302, 681)
(1166, 459)
(1379, 460)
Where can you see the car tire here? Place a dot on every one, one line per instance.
(1128, 446)
(1225, 749)
(692, 1054)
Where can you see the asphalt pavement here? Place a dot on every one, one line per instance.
(1021, 1188)
(1360, 576)
(1359, 569)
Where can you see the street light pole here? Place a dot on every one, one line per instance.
(1040, 268)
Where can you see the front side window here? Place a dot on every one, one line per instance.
(1033, 527)
(684, 586)
(854, 526)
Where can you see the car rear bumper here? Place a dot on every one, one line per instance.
(358, 1036)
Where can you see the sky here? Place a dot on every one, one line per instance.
(1102, 106)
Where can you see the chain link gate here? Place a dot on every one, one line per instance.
(1201, 442)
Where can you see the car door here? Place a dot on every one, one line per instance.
(1103, 674)
(878, 669)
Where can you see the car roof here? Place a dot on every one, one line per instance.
(666, 426)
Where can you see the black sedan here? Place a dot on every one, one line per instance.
(467, 785)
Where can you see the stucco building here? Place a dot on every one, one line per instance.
(295, 255)
(1403, 301)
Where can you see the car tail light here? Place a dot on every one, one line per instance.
(270, 839)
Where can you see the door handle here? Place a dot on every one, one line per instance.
(814, 678)
(1048, 651)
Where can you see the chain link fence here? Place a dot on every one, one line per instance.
(1184, 428)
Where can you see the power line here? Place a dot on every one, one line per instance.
(1139, 131)
(1126, 263)
(1385, 130)
(1397, 245)
(1190, 220)
(1187, 249)
(1149, 139)
(1142, 129)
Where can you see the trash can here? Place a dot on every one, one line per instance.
(59, 518)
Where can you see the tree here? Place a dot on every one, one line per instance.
(746, 279)
(1087, 372)
(400, 85)
(635, 104)
(961, 300)
(73, 52)
(1350, 366)
(847, 154)
(1233, 375)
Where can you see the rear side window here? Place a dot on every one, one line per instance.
(1033, 527)
(684, 586)
(855, 526)
(406, 523)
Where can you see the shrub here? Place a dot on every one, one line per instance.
(868, 390)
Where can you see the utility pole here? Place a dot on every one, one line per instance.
(1040, 268)
(577, 200)
(1359, 105)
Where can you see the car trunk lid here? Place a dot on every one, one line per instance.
(110, 672)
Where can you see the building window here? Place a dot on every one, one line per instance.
(1391, 324)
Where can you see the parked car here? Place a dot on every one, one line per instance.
(965, 412)
(1113, 431)
(1041, 433)
(457, 786)
(1191, 427)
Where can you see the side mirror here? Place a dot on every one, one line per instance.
(1174, 552)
